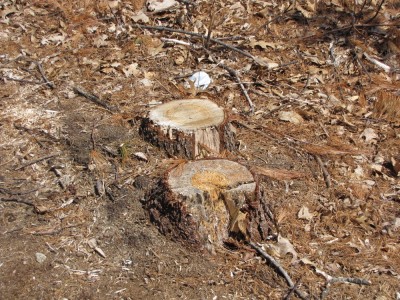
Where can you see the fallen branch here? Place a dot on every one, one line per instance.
(296, 149)
(199, 35)
(291, 290)
(233, 73)
(22, 80)
(34, 131)
(377, 63)
(46, 81)
(179, 42)
(17, 200)
(36, 161)
(279, 269)
(284, 105)
(327, 176)
(17, 193)
(94, 99)
(330, 279)
(348, 27)
(376, 13)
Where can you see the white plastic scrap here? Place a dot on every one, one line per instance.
(201, 80)
(160, 5)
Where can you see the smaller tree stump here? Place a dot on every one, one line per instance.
(191, 128)
(204, 202)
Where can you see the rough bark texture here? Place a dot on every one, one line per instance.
(206, 201)
(192, 128)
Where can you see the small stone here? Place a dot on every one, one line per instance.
(40, 257)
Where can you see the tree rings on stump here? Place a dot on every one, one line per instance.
(206, 201)
(191, 128)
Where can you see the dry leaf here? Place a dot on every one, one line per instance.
(265, 62)
(358, 173)
(290, 116)
(141, 156)
(131, 69)
(283, 247)
(87, 61)
(100, 40)
(53, 38)
(179, 60)
(304, 214)
(308, 262)
(369, 135)
(140, 16)
(387, 106)
(262, 44)
(155, 47)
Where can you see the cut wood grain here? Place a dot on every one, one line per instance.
(191, 128)
(206, 201)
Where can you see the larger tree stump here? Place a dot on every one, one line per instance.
(191, 128)
(204, 202)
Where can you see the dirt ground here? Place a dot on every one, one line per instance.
(324, 140)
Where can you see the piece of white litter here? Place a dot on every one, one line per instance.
(40, 257)
(201, 80)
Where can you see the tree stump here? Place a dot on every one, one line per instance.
(206, 201)
(191, 128)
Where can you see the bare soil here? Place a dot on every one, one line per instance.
(323, 142)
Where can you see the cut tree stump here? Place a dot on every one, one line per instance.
(206, 201)
(191, 128)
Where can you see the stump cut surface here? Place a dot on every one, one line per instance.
(191, 128)
(188, 115)
(205, 202)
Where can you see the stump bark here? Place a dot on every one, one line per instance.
(192, 128)
(206, 201)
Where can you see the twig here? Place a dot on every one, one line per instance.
(348, 27)
(307, 82)
(377, 63)
(267, 136)
(323, 128)
(175, 41)
(19, 193)
(376, 13)
(92, 137)
(36, 161)
(34, 131)
(17, 200)
(94, 99)
(275, 109)
(109, 193)
(165, 88)
(327, 176)
(46, 81)
(291, 290)
(187, 2)
(210, 25)
(22, 80)
(199, 35)
(330, 279)
(332, 53)
(279, 269)
(54, 231)
(233, 73)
